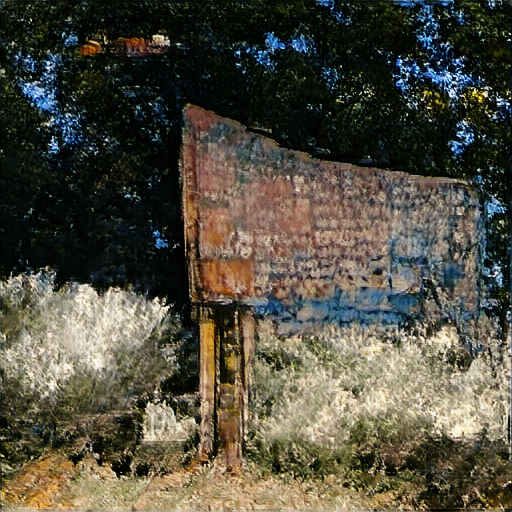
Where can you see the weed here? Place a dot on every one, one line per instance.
(387, 411)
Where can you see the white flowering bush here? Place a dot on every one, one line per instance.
(81, 369)
(374, 387)
(73, 331)
(160, 424)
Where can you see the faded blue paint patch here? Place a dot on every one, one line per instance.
(407, 303)
(365, 306)
(451, 274)
(363, 298)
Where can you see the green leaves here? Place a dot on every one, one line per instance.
(421, 88)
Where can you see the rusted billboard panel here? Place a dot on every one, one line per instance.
(310, 241)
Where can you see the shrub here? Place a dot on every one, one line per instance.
(72, 356)
(385, 409)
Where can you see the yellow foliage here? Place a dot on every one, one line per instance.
(433, 100)
(476, 96)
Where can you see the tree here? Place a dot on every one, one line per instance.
(424, 88)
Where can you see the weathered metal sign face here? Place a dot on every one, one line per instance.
(312, 240)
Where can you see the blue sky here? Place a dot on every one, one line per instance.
(160, 242)
(42, 92)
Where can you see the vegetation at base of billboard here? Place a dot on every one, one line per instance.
(78, 369)
(414, 414)
(434, 471)
(381, 409)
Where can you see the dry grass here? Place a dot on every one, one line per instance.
(318, 388)
(90, 487)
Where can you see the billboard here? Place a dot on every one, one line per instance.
(308, 241)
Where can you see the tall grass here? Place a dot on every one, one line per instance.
(320, 387)
(384, 407)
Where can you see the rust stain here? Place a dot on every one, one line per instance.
(188, 172)
(216, 230)
(231, 277)
(215, 179)
(201, 119)
(131, 46)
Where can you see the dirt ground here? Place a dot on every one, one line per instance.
(53, 482)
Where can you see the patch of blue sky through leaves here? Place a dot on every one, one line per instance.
(299, 42)
(160, 242)
(464, 136)
(42, 92)
(334, 10)
(443, 69)
(272, 44)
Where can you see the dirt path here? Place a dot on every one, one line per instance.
(53, 482)
(39, 483)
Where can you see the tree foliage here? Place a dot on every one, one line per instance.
(90, 166)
